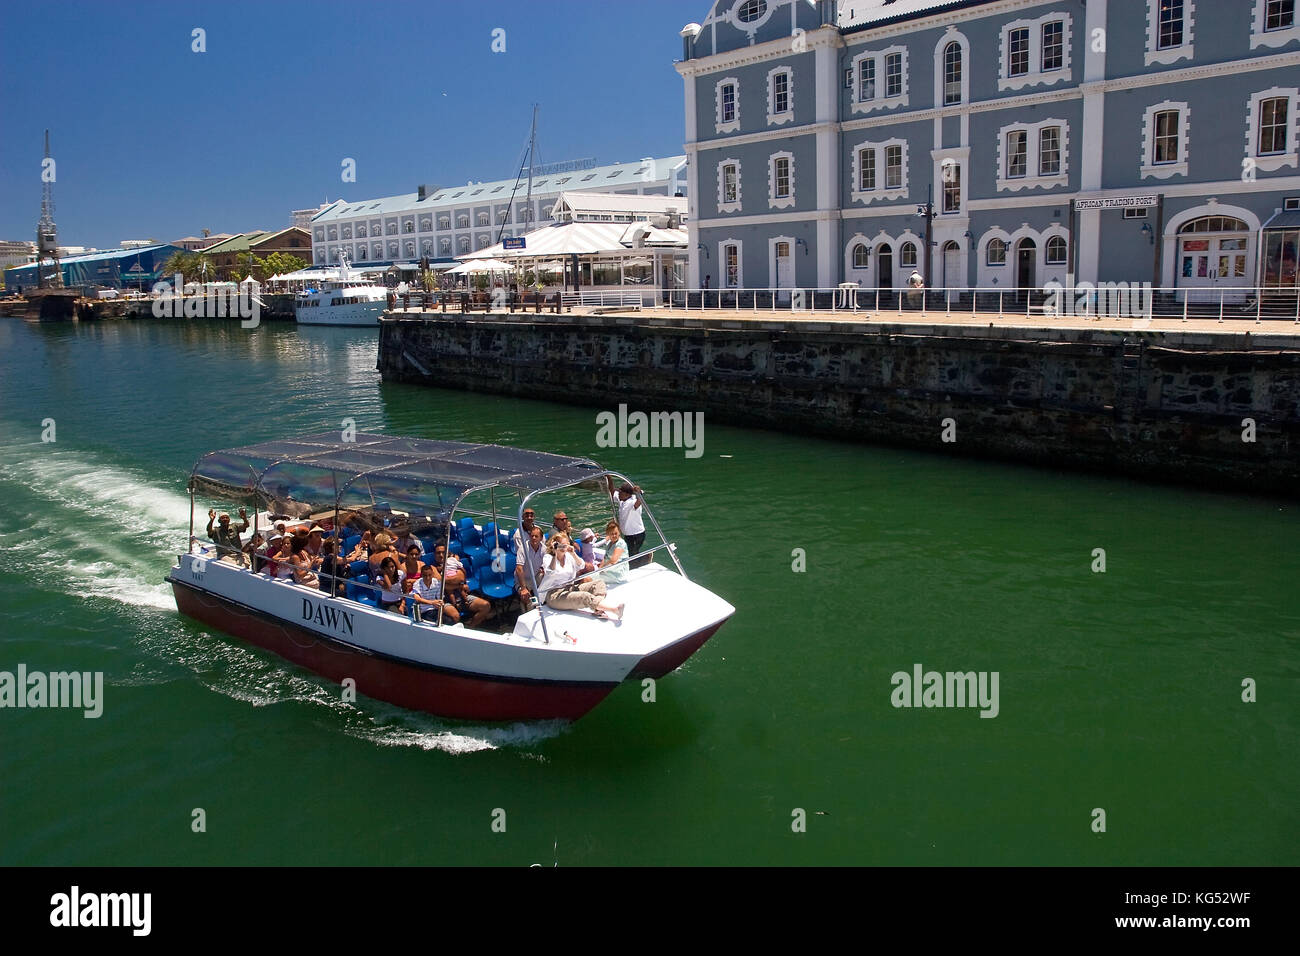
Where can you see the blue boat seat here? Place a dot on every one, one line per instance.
(498, 585)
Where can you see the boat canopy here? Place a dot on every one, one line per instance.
(325, 472)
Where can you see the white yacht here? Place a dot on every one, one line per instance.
(344, 300)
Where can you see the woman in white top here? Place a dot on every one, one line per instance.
(389, 581)
(615, 551)
(558, 587)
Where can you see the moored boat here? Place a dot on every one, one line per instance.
(523, 662)
(344, 300)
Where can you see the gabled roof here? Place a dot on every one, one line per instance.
(616, 176)
(237, 243)
(271, 237)
(613, 202)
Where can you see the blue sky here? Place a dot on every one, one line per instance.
(154, 140)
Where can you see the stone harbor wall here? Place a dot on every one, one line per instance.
(1215, 410)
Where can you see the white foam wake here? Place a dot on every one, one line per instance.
(102, 531)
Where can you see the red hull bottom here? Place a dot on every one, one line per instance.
(440, 692)
(668, 659)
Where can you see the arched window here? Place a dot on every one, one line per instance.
(462, 220)
(952, 67)
(464, 243)
(1056, 251)
(997, 252)
(1214, 224)
(861, 256)
(445, 244)
(426, 224)
(907, 255)
(482, 219)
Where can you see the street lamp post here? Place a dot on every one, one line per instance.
(926, 212)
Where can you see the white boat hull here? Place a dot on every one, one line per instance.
(453, 671)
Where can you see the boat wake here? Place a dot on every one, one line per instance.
(103, 532)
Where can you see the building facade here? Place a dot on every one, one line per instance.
(1098, 140)
(233, 253)
(445, 223)
(17, 252)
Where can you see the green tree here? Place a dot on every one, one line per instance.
(279, 263)
(190, 265)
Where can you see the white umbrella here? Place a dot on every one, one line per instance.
(477, 266)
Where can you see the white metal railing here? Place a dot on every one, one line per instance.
(600, 297)
(1083, 301)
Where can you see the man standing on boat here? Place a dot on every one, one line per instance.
(627, 505)
(226, 536)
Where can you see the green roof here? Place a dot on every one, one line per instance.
(239, 243)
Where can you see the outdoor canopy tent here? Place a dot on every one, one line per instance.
(581, 239)
(324, 472)
(480, 266)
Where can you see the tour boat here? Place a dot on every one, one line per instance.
(345, 300)
(538, 663)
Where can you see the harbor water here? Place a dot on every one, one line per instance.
(1119, 690)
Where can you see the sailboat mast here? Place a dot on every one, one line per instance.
(532, 155)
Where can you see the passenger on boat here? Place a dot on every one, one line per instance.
(524, 530)
(615, 551)
(627, 504)
(302, 566)
(586, 546)
(405, 540)
(332, 571)
(462, 604)
(448, 566)
(362, 551)
(560, 590)
(528, 565)
(412, 565)
(284, 566)
(315, 541)
(226, 536)
(426, 592)
(381, 548)
(253, 552)
(389, 581)
(560, 524)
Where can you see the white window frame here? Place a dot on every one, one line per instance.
(1036, 76)
(988, 245)
(1270, 38)
(880, 101)
(723, 204)
(1033, 143)
(1149, 168)
(1272, 162)
(856, 273)
(787, 116)
(773, 201)
(961, 192)
(734, 124)
(722, 264)
(881, 193)
(1171, 54)
(951, 36)
(1047, 244)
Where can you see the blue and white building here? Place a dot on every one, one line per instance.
(1110, 140)
(445, 223)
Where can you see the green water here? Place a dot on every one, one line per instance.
(1118, 690)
